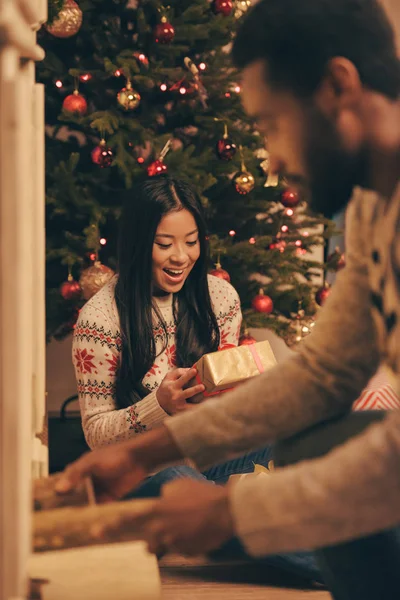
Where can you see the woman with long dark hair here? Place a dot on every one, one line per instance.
(137, 339)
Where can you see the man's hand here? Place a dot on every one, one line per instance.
(190, 518)
(118, 469)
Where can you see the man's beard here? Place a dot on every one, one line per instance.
(332, 171)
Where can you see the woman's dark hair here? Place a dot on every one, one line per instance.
(196, 325)
(297, 38)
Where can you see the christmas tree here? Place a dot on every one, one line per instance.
(137, 88)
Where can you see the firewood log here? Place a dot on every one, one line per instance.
(73, 527)
(45, 497)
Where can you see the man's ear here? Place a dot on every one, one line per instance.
(340, 88)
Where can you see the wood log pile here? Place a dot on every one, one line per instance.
(75, 520)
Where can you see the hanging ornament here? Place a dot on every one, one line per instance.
(94, 278)
(222, 7)
(220, 272)
(226, 148)
(322, 294)
(102, 155)
(243, 181)
(75, 104)
(158, 166)
(68, 21)
(246, 339)
(272, 178)
(128, 98)
(241, 7)
(164, 32)
(262, 303)
(70, 289)
(289, 198)
(198, 84)
(336, 260)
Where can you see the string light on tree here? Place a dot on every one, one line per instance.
(158, 166)
(68, 21)
(232, 233)
(128, 98)
(102, 241)
(202, 66)
(252, 241)
(142, 58)
(85, 77)
(102, 155)
(75, 104)
(58, 84)
(277, 244)
(262, 303)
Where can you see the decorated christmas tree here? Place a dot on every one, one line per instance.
(137, 88)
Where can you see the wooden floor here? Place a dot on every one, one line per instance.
(199, 579)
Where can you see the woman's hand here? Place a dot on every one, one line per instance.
(172, 395)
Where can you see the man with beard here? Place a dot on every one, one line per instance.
(322, 80)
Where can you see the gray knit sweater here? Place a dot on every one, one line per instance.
(355, 489)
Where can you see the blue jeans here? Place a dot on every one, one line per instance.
(298, 563)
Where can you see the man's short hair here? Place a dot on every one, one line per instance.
(297, 38)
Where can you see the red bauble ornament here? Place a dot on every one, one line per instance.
(337, 259)
(290, 198)
(322, 294)
(226, 149)
(70, 289)
(164, 33)
(75, 104)
(156, 168)
(221, 273)
(102, 155)
(246, 339)
(222, 7)
(262, 303)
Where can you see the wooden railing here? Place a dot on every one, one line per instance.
(22, 330)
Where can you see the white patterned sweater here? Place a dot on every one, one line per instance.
(96, 354)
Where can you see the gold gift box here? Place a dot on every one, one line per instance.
(220, 371)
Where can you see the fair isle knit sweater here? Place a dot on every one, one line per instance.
(96, 354)
(354, 489)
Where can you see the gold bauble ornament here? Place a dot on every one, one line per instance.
(94, 278)
(68, 21)
(243, 182)
(128, 98)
